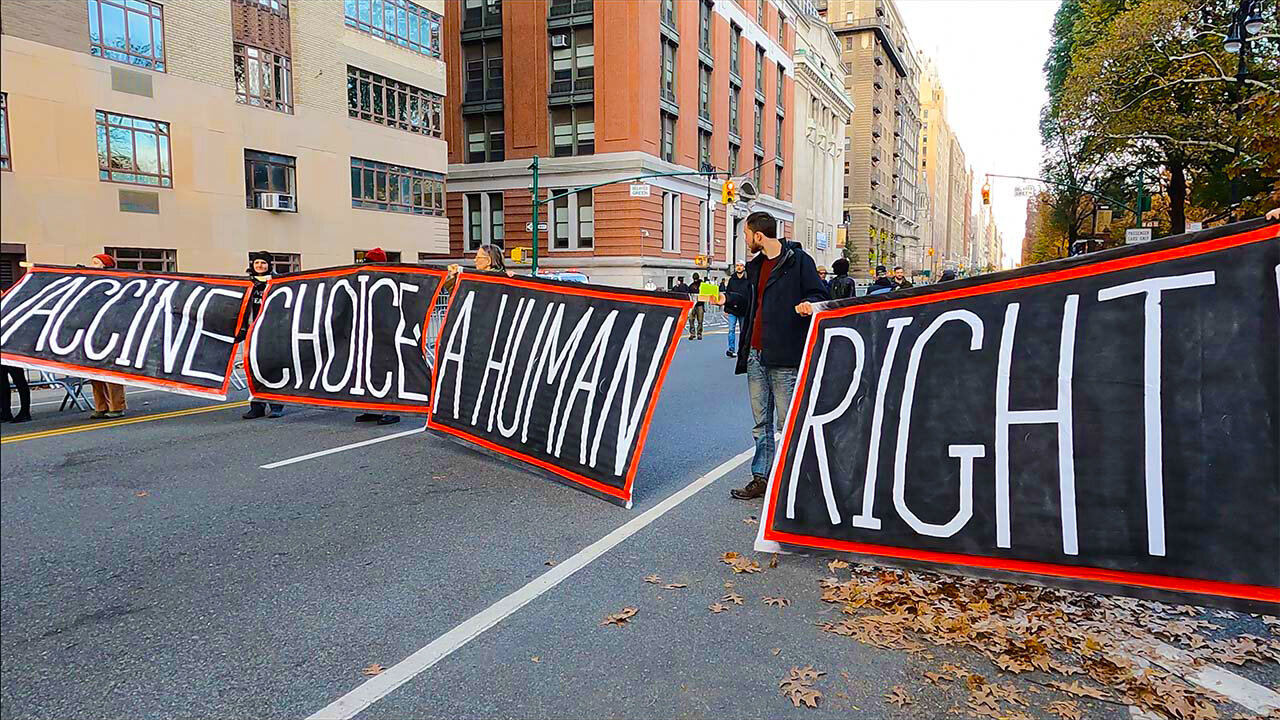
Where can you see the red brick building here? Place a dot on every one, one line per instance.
(602, 90)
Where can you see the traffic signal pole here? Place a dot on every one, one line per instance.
(534, 259)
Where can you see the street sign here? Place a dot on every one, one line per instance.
(1137, 235)
(528, 227)
(821, 241)
(640, 189)
(1194, 226)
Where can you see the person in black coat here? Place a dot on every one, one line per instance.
(259, 271)
(782, 285)
(735, 283)
(882, 283)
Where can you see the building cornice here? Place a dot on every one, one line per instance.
(834, 93)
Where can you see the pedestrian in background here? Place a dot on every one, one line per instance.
(882, 283)
(377, 255)
(782, 284)
(24, 395)
(900, 281)
(699, 309)
(947, 275)
(822, 273)
(735, 283)
(108, 397)
(488, 259)
(259, 272)
(842, 286)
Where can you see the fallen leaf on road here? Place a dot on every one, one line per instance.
(1079, 690)
(653, 579)
(621, 618)
(733, 597)
(837, 564)
(374, 669)
(550, 563)
(773, 562)
(1065, 709)
(729, 557)
(937, 678)
(536, 658)
(798, 686)
(750, 520)
(674, 586)
(141, 493)
(717, 608)
(776, 601)
(739, 563)
(776, 652)
(898, 696)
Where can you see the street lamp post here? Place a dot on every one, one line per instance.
(1246, 22)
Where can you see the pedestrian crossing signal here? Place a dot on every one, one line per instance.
(729, 192)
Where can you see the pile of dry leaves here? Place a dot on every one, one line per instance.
(1107, 648)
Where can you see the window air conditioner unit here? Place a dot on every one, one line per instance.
(560, 41)
(280, 202)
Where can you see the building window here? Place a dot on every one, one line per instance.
(279, 7)
(267, 173)
(734, 150)
(668, 71)
(485, 138)
(573, 131)
(733, 111)
(483, 63)
(283, 263)
(759, 126)
(133, 150)
(782, 29)
(706, 215)
(760, 13)
(477, 14)
(760, 70)
(393, 103)
(399, 21)
(735, 50)
(6, 162)
(777, 181)
(704, 148)
(393, 188)
(668, 137)
(573, 220)
(778, 145)
(704, 92)
(484, 220)
(755, 172)
(263, 78)
(671, 222)
(573, 61)
(669, 13)
(782, 83)
(846, 192)
(704, 25)
(127, 31)
(393, 256)
(144, 258)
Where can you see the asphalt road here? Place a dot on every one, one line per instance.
(154, 569)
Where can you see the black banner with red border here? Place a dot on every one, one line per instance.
(1109, 421)
(349, 337)
(562, 377)
(168, 331)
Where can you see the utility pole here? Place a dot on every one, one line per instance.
(534, 258)
(1138, 205)
(711, 216)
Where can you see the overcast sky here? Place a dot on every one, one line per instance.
(990, 54)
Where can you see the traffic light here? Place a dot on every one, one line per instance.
(986, 193)
(729, 192)
(517, 254)
(930, 252)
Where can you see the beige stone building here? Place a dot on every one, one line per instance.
(945, 177)
(881, 175)
(181, 135)
(825, 110)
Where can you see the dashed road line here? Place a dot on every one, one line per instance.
(342, 448)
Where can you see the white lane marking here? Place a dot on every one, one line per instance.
(55, 402)
(402, 672)
(343, 448)
(1239, 690)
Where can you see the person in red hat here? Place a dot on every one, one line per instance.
(108, 398)
(377, 255)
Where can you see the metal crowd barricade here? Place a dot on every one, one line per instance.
(72, 388)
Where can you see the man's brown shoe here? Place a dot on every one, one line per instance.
(753, 491)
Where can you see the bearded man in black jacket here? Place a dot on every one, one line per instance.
(782, 285)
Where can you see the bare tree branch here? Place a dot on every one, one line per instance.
(1175, 141)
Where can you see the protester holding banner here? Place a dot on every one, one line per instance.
(260, 272)
(377, 255)
(488, 259)
(24, 395)
(736, 283)
(782, 284)
(108, 398)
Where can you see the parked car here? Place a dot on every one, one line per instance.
(563, 275)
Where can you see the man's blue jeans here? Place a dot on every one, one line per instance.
(770, 389)
(733, 331)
